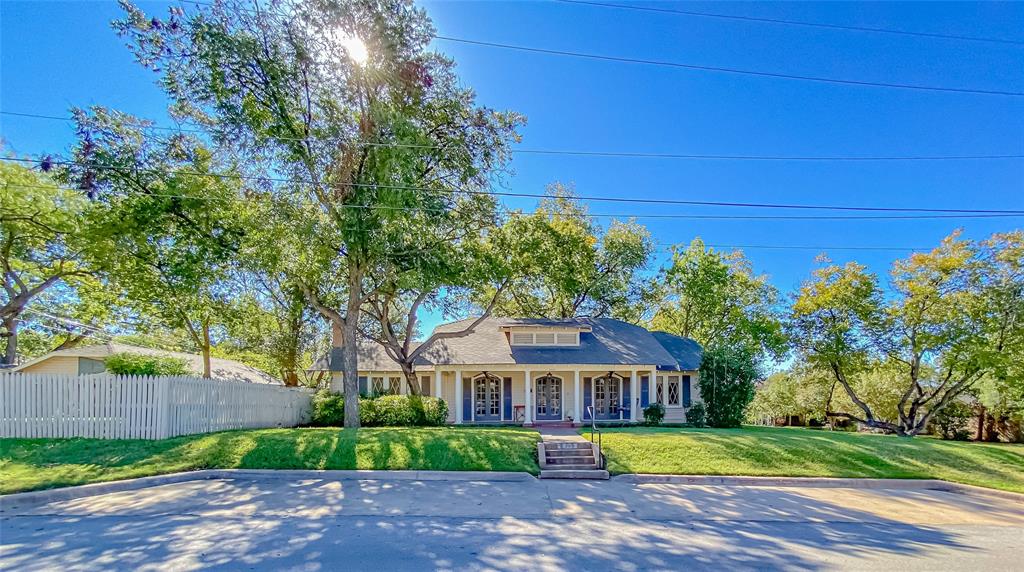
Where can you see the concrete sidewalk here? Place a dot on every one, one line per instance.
(319, 522)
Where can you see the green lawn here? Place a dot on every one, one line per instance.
(811, 453)
(28, 464)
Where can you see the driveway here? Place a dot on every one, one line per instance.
(254, 523)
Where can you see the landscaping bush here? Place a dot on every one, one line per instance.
(126, 363)
(654, 414)
(696, 415)
(727, 385)
(328, 409)
(383, 411)
(950, 422)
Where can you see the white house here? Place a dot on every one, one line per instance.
(536, 371)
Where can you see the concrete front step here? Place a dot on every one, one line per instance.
(574, 474)
(587, 460)
(571, 467)
(565, 445)
(569, 452)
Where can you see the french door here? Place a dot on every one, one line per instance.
(549, 398)
(487, 399)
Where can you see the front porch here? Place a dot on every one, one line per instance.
(502, 395)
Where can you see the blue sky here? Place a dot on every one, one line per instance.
(54, 55)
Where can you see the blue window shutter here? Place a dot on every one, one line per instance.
(507, 399)
(363, 387)
(645, 391)
(686, 391)
(627, 399)
(587, 398)
(467, 400)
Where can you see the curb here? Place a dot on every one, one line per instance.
(20, 500)
(818, 482)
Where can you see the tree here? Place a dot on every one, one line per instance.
(727, 384)
(948, 324)
(136, 364)
(170, 230)
(44, 229)
(372, 133)
(716, 299)
(571, 266)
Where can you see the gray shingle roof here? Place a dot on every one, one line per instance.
(609, 342)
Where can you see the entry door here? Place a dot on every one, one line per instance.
(487, 399)
(549, 398)
(607, 397)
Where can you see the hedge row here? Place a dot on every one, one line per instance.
(384, 411)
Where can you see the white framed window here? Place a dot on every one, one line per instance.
(377, 386)
(668, 391)
(542, 338)
(394, 385)
(425, 388)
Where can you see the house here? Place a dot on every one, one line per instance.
(535, 371)
(89, 359)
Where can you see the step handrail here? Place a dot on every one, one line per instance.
(594, 429)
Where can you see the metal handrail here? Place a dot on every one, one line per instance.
(594, 429)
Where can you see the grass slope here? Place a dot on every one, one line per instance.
(29, 464)
(811, 453)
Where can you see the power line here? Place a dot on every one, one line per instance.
(509, 212)
(601, 153)
(718, 69)
(795, 22)
(544, 196)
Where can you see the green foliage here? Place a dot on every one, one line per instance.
(727, 385)
(955, 319)
(654, 414)
(716, 299)
(383, 411)
(951, 422)
(571, 266)
(328, 409)
(127, 363)
(697, 415)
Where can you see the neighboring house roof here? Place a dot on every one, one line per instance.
(603, 341)
(220, 368)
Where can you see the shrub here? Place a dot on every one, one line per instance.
(950, 422)
(383, 411)
(727, 385)
(654, 414)
(696, 415)
(126, 363)
(328, 409)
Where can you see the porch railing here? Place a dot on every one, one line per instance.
(594, 430)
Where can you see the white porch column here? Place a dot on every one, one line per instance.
(528, 386)
(634, 394)
(458, 397)
(577, 396)
(437, 382)
(654, 384)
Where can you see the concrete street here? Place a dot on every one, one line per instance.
(323, 524)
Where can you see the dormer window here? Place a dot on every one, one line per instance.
(544, 338)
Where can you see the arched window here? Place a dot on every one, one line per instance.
(549, 398)
(607, 396)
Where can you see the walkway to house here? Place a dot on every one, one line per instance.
(565, 454)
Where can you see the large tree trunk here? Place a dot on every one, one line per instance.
(411, 380)
(11, 327)
(350, 349)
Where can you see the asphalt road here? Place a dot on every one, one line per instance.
(323, 524)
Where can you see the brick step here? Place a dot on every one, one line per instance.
(589, 460)
(574, 474)
(569, 452)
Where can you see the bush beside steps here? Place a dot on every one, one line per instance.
(383, 411)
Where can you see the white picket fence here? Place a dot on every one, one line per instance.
(136, 407)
